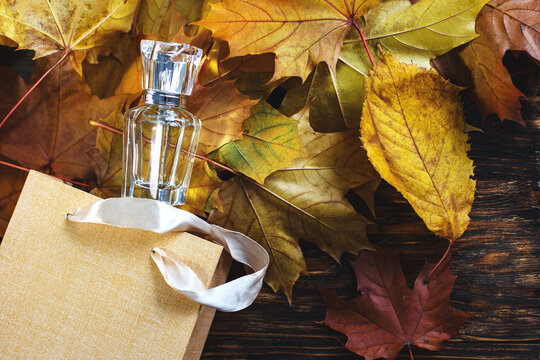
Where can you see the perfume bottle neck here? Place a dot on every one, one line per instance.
(163, 98)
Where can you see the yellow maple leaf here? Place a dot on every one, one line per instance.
(302, 33)
(306, 201)
(413, 130)
(48, 27)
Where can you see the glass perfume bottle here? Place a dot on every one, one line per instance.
(161, 136)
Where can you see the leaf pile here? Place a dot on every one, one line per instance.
(284, 93)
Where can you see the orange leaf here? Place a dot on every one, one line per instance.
(301, 33)
(503, 26)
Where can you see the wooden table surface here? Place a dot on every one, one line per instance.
(495, 261)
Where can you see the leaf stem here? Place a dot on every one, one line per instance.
(201, 157)
(441, 262)
(134, 25)
(59, 178)
(33, 87)
(410, 351)
(363, 41)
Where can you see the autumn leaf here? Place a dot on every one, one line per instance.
(420, 32)
(50, 130)
(413, 130)
(305, 200)
(301, 33)
(336, 97)
(221, 109)
(388, 315)
(49, 27)
(502, 25)
(203, 183)
(163, 19)
(251, 73)
(11, 183)
(107, 156)
(271, 142)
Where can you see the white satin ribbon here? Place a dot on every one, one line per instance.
(161, 218)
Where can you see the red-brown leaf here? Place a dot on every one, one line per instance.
(50, 129)
(388, 315)
(503, 25)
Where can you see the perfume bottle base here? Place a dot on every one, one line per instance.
(171, 196)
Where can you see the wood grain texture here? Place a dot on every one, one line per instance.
(496, 260)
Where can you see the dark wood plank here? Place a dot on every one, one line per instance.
(496, 262)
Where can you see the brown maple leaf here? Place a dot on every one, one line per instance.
(388, 315)
(50, 130)
(503, 26)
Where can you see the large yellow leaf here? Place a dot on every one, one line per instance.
(422, 31)
(304, 201)
(270, 143)
(413, 130)
(47, 26)
(301, 33)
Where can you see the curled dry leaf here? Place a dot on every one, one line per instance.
(304, 201)
(502, 25)
(301, 33)
(388, 315)
(50, 129)
(11, 183)
(251, 73)
(413, 130)
(271, 142)
(336, 97)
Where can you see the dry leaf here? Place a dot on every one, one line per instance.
(11, 183)
(502, 25)
(413, 130)
(107, 157)
(203, 183)
(301, 33)
(49, 27)
(304, 201)
(250, 72)
(163, 19)
(420, 32)
(270, 143)
(221, 109)
(388, 315)
(50, 129)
